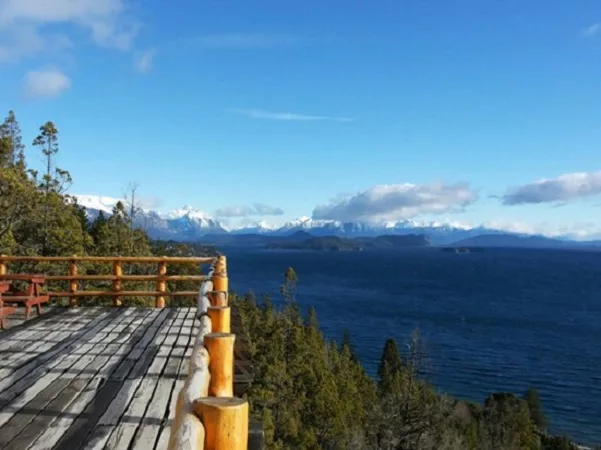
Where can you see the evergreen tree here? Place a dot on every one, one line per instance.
(507, 424)
(54, 179)
(347, 344)
(97, 225)
(18, 195)
(537, 415)
(52, 185)
(390, 367)
(288, 289)
(11, 143)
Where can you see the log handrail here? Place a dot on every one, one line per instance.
(116, 277)
(109, 277)
(207, 416)
(124, 259)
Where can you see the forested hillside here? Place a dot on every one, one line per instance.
(313, 394)
(38, 217)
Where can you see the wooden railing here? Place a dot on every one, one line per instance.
(117, 277)
(208, 416)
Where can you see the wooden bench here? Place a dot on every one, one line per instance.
(5, 311)
(33, 296)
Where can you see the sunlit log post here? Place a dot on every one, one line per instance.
(225, 420)
(220, 318)
(221, 363)
(118, 272)
(73, 283)
(161, 284)
(218, 298)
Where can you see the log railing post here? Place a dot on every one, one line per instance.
(73, 283)
(161, 284)
(3, 270)
(221, 363)
(225, 421)
(118, 272)
(220, 280)
(220, 318)
(208, 393)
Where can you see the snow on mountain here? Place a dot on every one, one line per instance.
(259, 227)
(307, 223)
(188, 224)
(96, 202)
(187, 211)
(184, 223)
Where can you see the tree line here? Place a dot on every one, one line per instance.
(38, 217)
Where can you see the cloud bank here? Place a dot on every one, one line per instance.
(269, 115)
(564, 188)
(257, 209)
(24, 25)
(398, 201)
(45, 83)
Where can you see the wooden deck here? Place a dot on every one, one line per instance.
(93, 378)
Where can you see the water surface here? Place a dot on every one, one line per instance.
(501, 320)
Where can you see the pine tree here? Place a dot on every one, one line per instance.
(11, 143)
(18, 195)
(390, 366)
(348, 345)
(537, 415)
(54, 179)
(52, 185)
(288, 289)
(507, 424)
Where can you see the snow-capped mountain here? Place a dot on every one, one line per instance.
(185, 224)
(439, 232)
(190, 224)
(96, 203)
(260, 227)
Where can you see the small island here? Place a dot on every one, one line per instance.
(305, 241)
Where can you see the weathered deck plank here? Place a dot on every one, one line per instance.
(157, 412)
(104, 378)
(66, 368)
(22, 349)
(123, 434)
(86, 385)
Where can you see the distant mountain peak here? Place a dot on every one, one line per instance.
(97, 202)
(188, 223)
(187, 211)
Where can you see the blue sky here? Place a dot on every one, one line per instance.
(430, 110)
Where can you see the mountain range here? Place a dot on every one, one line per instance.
(189, 224)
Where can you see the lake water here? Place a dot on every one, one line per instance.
(501, 320)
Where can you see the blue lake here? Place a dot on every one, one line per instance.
(502, 320)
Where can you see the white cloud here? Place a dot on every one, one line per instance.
(262, 114)
(45, 83)
(144, 62)
(398, 201)
(592, 30)
(576, 231)
(24, 24)
(565, 187)
(257, 209)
